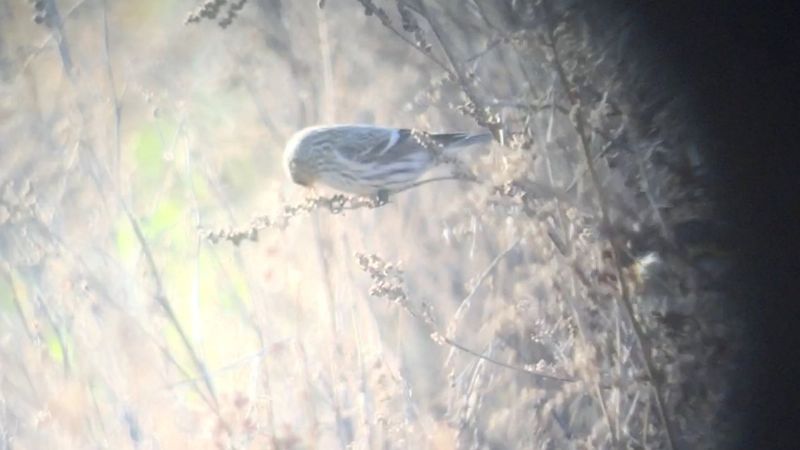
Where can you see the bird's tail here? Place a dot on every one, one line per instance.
(452, 144)
(461, 139)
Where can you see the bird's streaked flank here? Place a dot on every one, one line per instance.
(368, 160)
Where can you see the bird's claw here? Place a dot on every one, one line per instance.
(382, 197)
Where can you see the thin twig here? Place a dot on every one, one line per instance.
(535, 373)
(433, 180)
(371, 9)
(466, 301)
(648, 192)
(458, 70)
(159, 294)
(615, 246)
(335, 204)
(489, 47)
(387, 282)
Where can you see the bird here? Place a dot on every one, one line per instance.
(369, 160)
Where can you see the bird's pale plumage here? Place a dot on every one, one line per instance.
(365, 159)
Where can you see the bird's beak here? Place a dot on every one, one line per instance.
(302, 181)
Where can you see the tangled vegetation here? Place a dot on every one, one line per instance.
(567, 288)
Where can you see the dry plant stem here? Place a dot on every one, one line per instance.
(270, 410)
(496, 362)
(535, 105)
(615, 245)
(50, 37)
(646, 421)
(467, 301)
(586, 343)
(489, 47)
(247, 317)
(99, 417)
(308, 399)
(473, 390)
(166, 353)
(260, 109)
(539, 106)
(64, 52)
(619, 365)
(398, 296)
(632, 408)
(166, 305)
(335, 205)
(484, 275)
(237, 363)
(386, 23)
(562, 219)
(328, 95)
(345, 439)
(565, 238)
(363, 386)
(57, 25)
(366, 400)
(328, 114)
(458, 70)
(117, 161)
(600, 155)
(282, 44)
(171, 358)
(648, 192)
(159, 296)
(433, 180)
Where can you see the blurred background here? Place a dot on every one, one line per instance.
(163, 285)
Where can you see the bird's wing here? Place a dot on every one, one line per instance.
(381, 145)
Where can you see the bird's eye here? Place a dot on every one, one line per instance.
(292, 165)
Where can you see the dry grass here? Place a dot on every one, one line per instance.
(567, 299)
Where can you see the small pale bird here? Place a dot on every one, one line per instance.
(368, 160)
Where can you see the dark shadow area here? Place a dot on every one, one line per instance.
(740, 62)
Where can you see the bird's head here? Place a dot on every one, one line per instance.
(303, 155)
